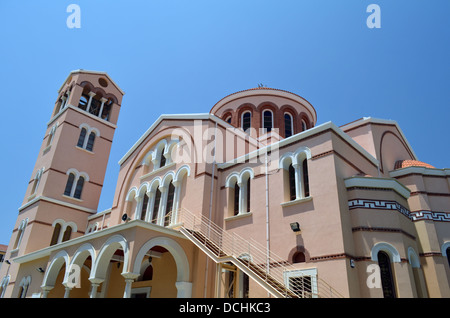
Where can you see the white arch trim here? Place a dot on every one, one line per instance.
(53, 269)
(101, 263)
(385, 247)
(413, 258)
(444, 248)
(175, 250)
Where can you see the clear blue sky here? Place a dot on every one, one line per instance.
(183, 56)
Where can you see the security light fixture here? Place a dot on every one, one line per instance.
(40, 270)
(125, 218)
(295, 227)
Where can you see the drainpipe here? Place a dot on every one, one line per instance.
(211, 202)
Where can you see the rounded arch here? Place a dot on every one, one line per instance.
(301, 154)
(108, 249)
(285, 161)
(168, 177)
(80, 256)
(184, 170)
(413, 258)
(444, 248)
(245, 174)
(143, 189)
(154, 184)
(54, 268)
(388, 248)
(131, 195)
(177, 252)
(231, 180)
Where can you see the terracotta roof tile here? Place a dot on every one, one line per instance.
(411, 163)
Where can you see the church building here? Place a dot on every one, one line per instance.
(251, 199)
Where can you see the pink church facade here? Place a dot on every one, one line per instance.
(252, 199)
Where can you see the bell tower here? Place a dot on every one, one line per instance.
(67, 179)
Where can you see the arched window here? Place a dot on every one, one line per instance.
(169, 204)
(292, 193)
(148, 273)
(299, 257)
(81, 138)
(295, 174)
(106, 110)
(304, 126)
(144, 207)
(236, 191)
(156, 206)
(267, 120)
(56, 232)
(246, 120)
(69, 184)
(162, 160)
(79, 188)
(83, 101)
(448, 255)
(90, 142)
(20, 232)
(248, 194)
(228, 119)
(305, 178)
(387, 281)
(288, 125)
(67, 234)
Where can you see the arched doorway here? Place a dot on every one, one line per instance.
(163, 270)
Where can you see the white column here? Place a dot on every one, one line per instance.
(103, 100)
(91, 94)
(241, 197)
(95, 282)
(151, 206)
(129, 279)
(46, 290)
(137, 212)
(184, 289)
(298, 181)
(67, 292)
(162, 205)
(176, 204)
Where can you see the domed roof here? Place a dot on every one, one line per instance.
(411, 163)
(266, 91)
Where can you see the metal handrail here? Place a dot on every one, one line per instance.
(268, 266)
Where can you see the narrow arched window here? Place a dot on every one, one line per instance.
(106, 110)
(228, 119)
(156, 206)
(267, 120)
(387, 281)
(90, 143)
(305, 177)
(79, 188)
(81, 138)
(292, 186)
(67, 234)
(448, 255)
(83, 102)
(69, 184)
(162, 160)
(169, 205)
(246, 120)
(299, 257)
(55, 235)
(304, 126)
(288, 125)
(236, 199)
(248, 194)
(144, 207)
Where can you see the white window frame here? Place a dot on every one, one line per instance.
(311, 272)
